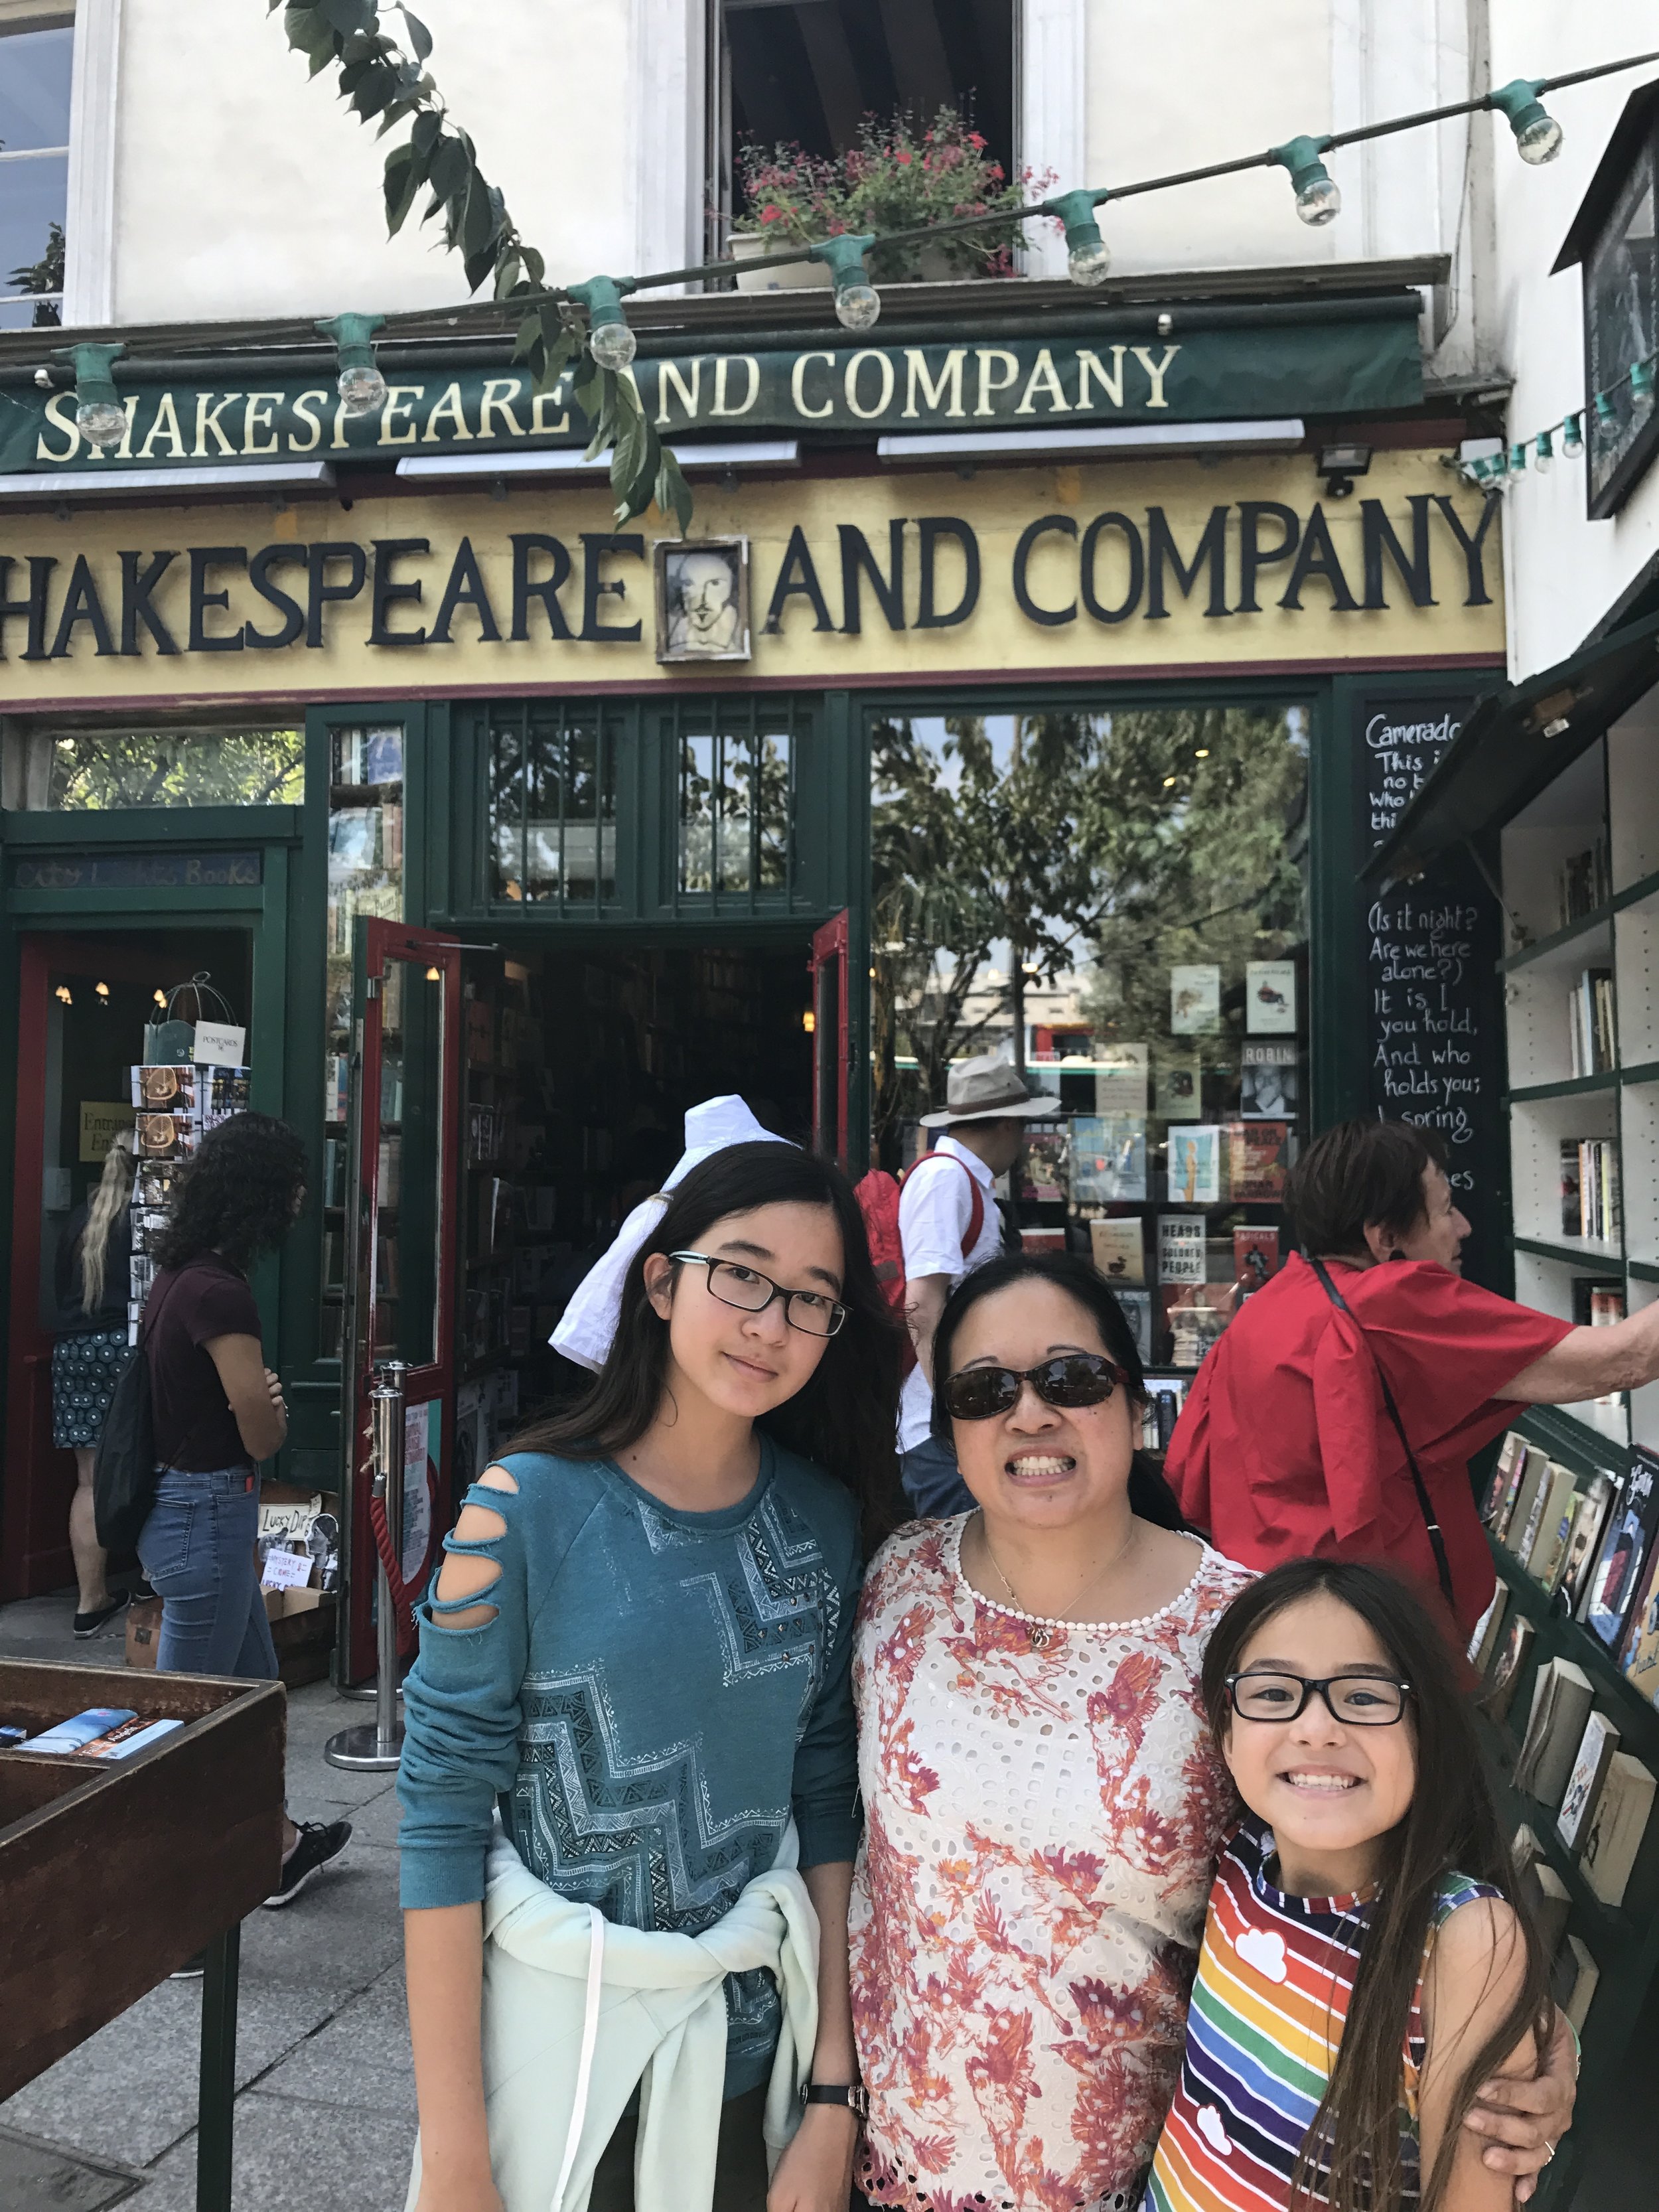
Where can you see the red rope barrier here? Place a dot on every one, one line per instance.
(402, 1604)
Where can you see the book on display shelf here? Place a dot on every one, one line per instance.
(1483, 1628)
(1561, 1701)
(1589, 1770)
(1534, 1471)
(1591, 1022)
(1256, 1257)
(1195, 1164)
(1591, 1206)
(1506, 1473)
(1137, 1307)
(1118, 1248)
(1178, 1084)
(1598, 1300)
(1165, 1396)
(1258, 1156)
(1108, 1159)
(1268, 1084)
(1122, 1073)
(1625, 1543)
(1045, 1163)
(1195, 1000)
(1551, 1902)
(1581, 1988)
(1506, 1669)
(1270, 998)
(1589, 1518)
(1617, 1826)
(1180, 1248)
(1640, 1657)
(1583, 883)
(1549, 1500)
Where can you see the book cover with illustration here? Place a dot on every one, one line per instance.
(1195, 1165)
(1108, 1158)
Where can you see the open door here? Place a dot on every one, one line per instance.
(831, 1047)
(401, 1214)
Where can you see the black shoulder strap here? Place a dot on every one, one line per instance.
(1436, 1541)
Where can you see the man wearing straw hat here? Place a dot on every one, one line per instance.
(948, 1225)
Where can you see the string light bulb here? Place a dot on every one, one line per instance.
(64, 995)
(1572, 437)
(433, 975)
(1641, 388)
(1607, 415)
(858, 304)
(1088, 257)
(360, 384)
(1518, 460)
(609, 341)
(1537, 134)
(1317, 200)
(160, 997)
(99, 416)
(1543, 454)
(102, 991)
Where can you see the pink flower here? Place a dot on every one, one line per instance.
(903, 158)
(772, 215)
(976, 141)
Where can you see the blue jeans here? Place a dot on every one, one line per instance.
(197, 1549)
(932, 1483)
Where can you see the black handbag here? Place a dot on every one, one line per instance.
(1425, 1504)
(124, 1466)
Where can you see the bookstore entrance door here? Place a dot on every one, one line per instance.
(84, 1000)
(580, 1063)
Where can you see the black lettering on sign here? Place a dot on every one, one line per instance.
(1434, 1005)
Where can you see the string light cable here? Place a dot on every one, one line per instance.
(584, 327)
(1635, 387)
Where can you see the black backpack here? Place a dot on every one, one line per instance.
(124, 1467)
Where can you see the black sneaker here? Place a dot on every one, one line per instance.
(317, 1847)
(93, 1624)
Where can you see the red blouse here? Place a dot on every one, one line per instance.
(1284, 1448)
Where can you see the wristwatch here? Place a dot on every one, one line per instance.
(851, 2094)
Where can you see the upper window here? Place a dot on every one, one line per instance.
(1621, 328)
(35, 62)
(808, 80)
(91, 769)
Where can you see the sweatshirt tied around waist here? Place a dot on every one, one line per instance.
(580, 2013)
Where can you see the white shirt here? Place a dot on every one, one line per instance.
(935, 1208)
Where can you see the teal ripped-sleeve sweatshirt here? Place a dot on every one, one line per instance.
(658, 1694)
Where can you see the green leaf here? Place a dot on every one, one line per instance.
(534, 267)
(451, 168)
(419, 36)
(402, 182)
(507, 271)
(308, 33)
(556, 356)
(672, 492)
(376, 89)
(428, 129)
(529, 339)
(476, 228)
(477, 266)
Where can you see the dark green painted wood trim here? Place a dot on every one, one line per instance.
(1586, 926)
(146, 904)
(1543, 1249)
(73, 829)
(1575, 1086)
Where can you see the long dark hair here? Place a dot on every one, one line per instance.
(844, 1418)
(1451, 1827)
(1149, 1496)
(235, 1195)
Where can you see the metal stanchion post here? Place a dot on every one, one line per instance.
(377, 1747)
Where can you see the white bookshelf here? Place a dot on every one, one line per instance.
(1609, 795)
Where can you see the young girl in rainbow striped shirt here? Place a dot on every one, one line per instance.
(1364, 1966)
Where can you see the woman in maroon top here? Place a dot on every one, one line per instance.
(217, 1411)
(1285, 1447)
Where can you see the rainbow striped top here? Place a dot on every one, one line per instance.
(1275, 1977)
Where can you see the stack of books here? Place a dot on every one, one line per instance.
(1591, 1022)
(1590, 1204)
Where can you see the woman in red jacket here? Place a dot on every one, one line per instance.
(1287, 1445)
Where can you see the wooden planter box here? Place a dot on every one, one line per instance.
(114, 1874)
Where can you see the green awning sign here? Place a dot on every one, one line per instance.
(1238, 371)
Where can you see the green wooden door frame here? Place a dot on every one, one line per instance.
(101, 910)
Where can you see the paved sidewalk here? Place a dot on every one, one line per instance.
(325, 2098)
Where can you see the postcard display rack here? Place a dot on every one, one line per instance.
(1165, 1162)
(1572, 1648)
(115, 1874)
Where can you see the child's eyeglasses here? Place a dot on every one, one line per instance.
(809, 1311)
(1079, 1378)
(1355, 1700)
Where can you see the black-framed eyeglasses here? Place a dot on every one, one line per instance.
(1354, 1700)
(1076, 1378)
(814, 1313)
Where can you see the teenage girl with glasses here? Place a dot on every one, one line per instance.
(1043, 1798)
(1366, 1965)
(637, 1655)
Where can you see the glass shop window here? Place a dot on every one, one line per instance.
(1116, 903)
(81, 770)
(36, 49)
(553, 803)
(734, 811)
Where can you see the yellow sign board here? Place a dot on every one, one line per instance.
(101, 1122)
(912, 575)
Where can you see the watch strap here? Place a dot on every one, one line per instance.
(851, 2094)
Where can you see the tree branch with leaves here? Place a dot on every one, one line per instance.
(380, 78)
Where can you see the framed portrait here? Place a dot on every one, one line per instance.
(702, 598)
(1621, 319)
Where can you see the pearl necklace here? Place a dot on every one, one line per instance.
(1044, 1625)
(1041, 1626)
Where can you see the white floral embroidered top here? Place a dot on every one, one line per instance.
(1042, 1810)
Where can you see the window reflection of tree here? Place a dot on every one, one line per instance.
(92, 769)
(1122, 842)
(734, 812)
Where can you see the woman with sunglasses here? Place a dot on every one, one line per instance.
(637, 1654)
(1043, 1797)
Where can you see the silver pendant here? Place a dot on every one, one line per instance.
(1040, 1638)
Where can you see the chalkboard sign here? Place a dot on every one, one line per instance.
(1434, 1012)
